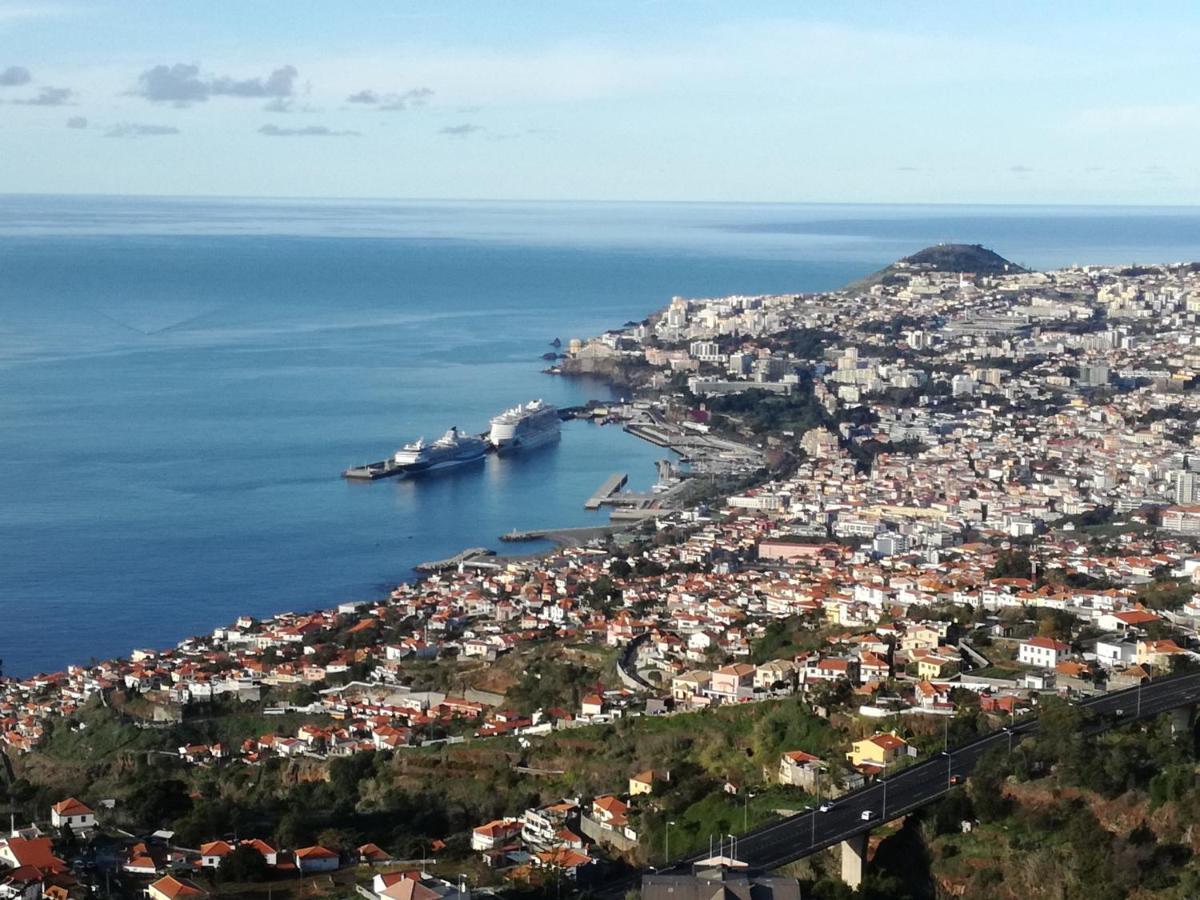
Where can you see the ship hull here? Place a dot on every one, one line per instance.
(528, 441)
(389, 468)
(428, 467)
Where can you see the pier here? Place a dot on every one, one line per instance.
(614, 483)
(389, 468)
(446, 565)
(567, 537)
(385, 468)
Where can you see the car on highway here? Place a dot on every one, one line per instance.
(956, 779)
(866, 815)
(826, 806)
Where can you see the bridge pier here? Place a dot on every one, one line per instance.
(854, 859)
(1182, 719)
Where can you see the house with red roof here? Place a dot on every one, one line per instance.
(172, 888)
(610, 812)
(269, 853)
(800, 769)
(213, 853)
(494, 834)
(733, 682)
(591, 705)
(37, 852)
(74, 814)
(317, 859)
(563, 859)
(877, 752)
(373, 854)
(1158, 653)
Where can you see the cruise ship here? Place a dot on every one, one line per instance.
(452, 449)
(522, 427)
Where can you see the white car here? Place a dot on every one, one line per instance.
(826, 806)
(867, 815)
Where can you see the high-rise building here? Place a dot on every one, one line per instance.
(1187, 488)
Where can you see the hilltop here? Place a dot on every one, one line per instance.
(974, 258)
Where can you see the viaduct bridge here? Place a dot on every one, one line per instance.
(777, 843)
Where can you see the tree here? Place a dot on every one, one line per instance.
(1012, 564)
(158, 802)
(986, 787)
(1056, 623)
(1060, 739)
(244, 864)
(620, 568)
(335, 839)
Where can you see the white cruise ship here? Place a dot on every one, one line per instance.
(522, 427)
(452, 449)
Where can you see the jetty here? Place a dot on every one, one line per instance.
(385, 468)
(572, 537)
(612, 484)
(453, 562)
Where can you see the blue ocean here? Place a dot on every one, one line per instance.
(182, 381)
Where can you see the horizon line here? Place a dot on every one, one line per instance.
(607, 201)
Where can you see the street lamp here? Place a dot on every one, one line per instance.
(746, 810)
(667, 844)
(883, 815)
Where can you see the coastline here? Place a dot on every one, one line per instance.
(560, 538)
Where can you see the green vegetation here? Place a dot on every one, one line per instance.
(763, 412)
(1062, 816)
(1012, 564)
(785, 638)
(1166, 593)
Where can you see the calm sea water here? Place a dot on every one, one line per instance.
(181, 381)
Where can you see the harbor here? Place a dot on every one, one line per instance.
(699, 458)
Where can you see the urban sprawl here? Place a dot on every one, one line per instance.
(953, 491)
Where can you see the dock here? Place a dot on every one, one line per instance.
(567, 537)
(388, 468)
(453, 562)
(612, 484)
(385, 468)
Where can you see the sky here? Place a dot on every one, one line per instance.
(687, 100)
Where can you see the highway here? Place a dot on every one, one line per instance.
(798, 836)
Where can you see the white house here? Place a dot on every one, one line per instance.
(1115, 654)
(316, 859)
(494, 834)
(212, 853)
(1043, 652)
(73, 814)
